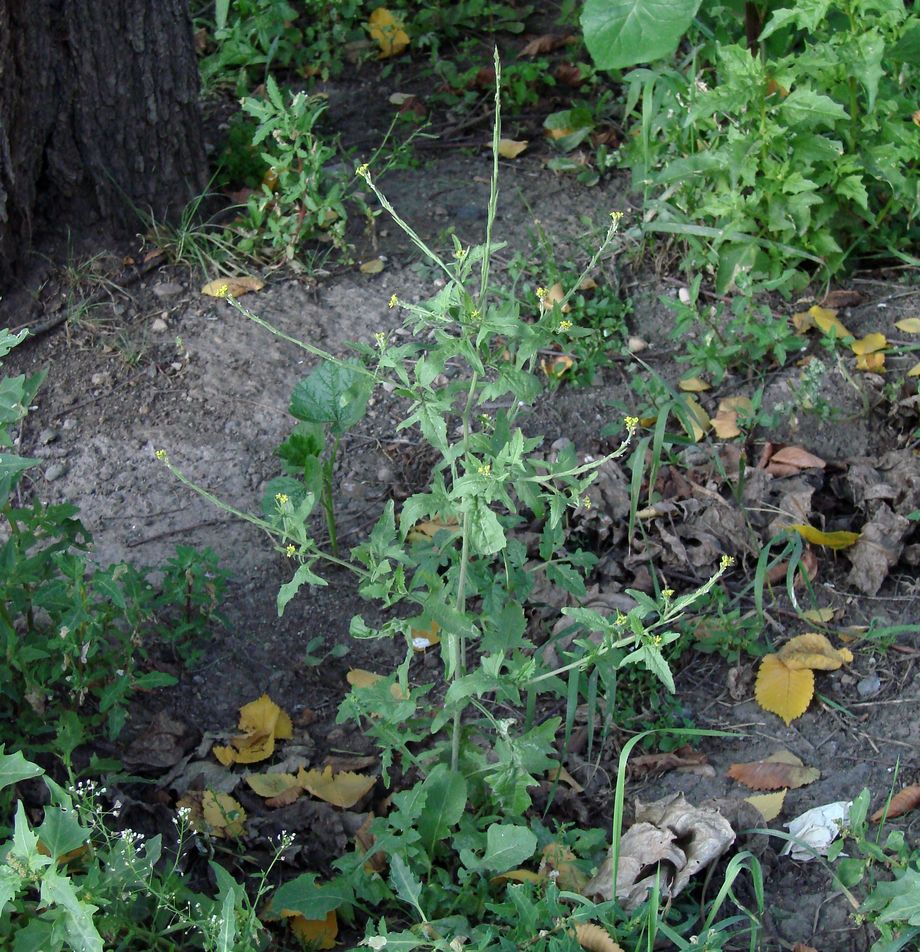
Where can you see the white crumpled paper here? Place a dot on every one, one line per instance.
(816, 828)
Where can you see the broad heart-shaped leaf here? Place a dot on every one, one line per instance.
(622, 33)
(444, 806)
(310, 899)
(333, 394)
(14, 767)
(782, 690)
(61, 832)
(507, 846)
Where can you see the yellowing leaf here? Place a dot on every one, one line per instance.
(556, 367)
(594, 938)
(342, 790)
(223, 815)
(832, 540)
(359, 678)
(820, 616)
(264, 715)
(770, 805)
(236, 287)
(694, 385)
(910, 325)
(914, 371)
(387, 32)
(518, 876)
(374, 266)
(869, 344)
(423, 638)
(427, 530)
(559, 859)
(556, 295)
(562, 775)
(783, 691)
(314, 933)
(695, 427)
(873, 363)
(725, 422)
(271, 784)
(813, 650)
(511, 148)
(825, 318)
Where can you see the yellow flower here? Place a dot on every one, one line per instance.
(586, 502)
(726, 562)
(394, 300)
(615, 217)
(460, 253)
(364, 171)
(381, 339)
(289, 550)
(631, 423)
(541, 294)
(485, 469)
(223, 290)
(564, 325)
(667, 594)
(161, 456)
(281, 499)
(475, 314)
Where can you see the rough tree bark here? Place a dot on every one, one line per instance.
(98, 116)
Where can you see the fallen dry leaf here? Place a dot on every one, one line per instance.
(769, 805)
(910, 325)
(359, 678)
(559, 859)
(842, 298)
(914, 371)
(568, 74)
(512, 148)
(547, 43)
(556, 367)
(561, 775)
(647, 764)
(869, 344)
(824, 318)
(782, 690)
(423, 638)
(873, 363)
(235, 287)
(594, 938)
(555, 295)
(779, 770)
(797, 457)
(223, 816)
(697, 419)
(813, 650)
(819, 616)
(694, 385)
(313, 933)
(518, 876)
(387, 32)
(725, 422)
(271, 784)
(341, 790)
(902, 802)
(374, 266)
(427, 530)
(264, 715)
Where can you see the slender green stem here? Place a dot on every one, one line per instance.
(328, 503)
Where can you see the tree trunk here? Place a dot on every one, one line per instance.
(99, 116)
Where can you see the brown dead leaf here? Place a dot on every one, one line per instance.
(313, 933)
(375, 860)
(797, 457)
(694, 385)
(341, 790)
(284, 799)
(902, 802)
(802, 947)
(163, 743)
(557, 366)
(561, 775)
(651, 764)
(781, 769)
(559, 859)
(349, 762)
(427, 530)
(842, 297)
(808, 562)
(594, 938)
(568, 74)
(547, 43)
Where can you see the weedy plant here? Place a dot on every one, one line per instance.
(78, 881)
(466, 751)
(77, 643)
(789, 153)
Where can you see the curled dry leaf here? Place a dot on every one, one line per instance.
(694, 385)
(235, 287)
(813, 650)
(593, 938)
(547, 43)
(797, 457)
(557, 366)
(831, 540)
(782, 690)
(672, 760)
(902, 802)
(823, 318)
(512, 148)
(569, 75)
(559, 859)
(842, 298)
(341, 790)
(779, 770)
(801, 947)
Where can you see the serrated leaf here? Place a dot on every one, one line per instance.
(223, 814)
(444, 805)
(780, 770)
(406, 885)
(813, 650)
(783, 691)
(770, 805)
(310, 899)
(832, 540)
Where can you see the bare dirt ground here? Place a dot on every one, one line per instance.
(161, 366)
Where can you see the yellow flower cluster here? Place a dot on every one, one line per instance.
(632, 423)
(485, 469)
(565, 326)
(394, 300)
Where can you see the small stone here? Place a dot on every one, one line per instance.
(159, 326)
(384, 474)
(101, 379)
(69, 424)
(55, 471)
(47, 436)
(167, 289)
(869, 686)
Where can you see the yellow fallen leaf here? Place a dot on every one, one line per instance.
(236, 287)
(825, 319)
(562, 775)
(872, 363)
(813, 650)
(832, 540)
(423, 638)
(556, 295)
(556, 367)
(770, 805)
(313, 933)
(559, 859)
(594, 938)
(512, 148)
(914, 371)
(783, 691)
(264, 715)
(910, 325)
(869, 344)
(223, 815)
(518, 876)
(725, 424)
(694, 385)
(387, 32)
(695, 427)
(820, 616)
(374, 266)
(359, 678)
(427, 530)
(271, 784)
(343, 789)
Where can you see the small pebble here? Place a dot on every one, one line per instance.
(167, 289)
(55, 471)
(159, 326)
(869, 686)
(47, 436)
(101, 379)
(69, 424)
